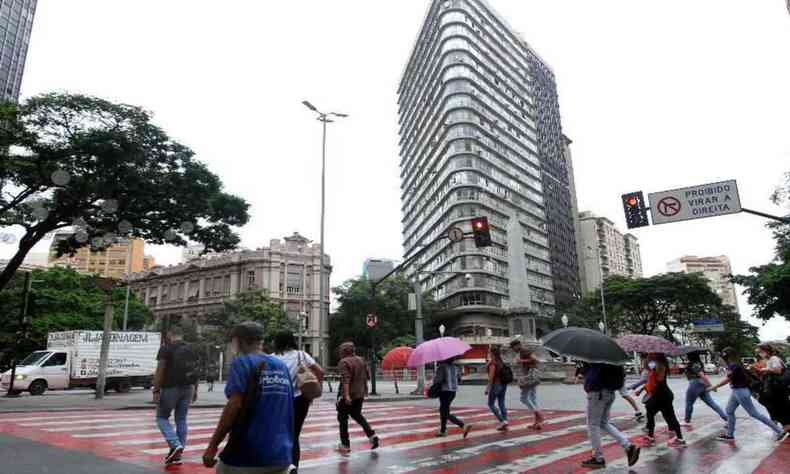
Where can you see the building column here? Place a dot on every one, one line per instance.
(234, 282)
(202, 284)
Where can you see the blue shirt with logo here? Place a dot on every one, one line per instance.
(267, 439)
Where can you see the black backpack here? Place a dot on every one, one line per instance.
(506, 374)
(612, 377)
(183, 369)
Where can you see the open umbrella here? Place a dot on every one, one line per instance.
(437, 350)
(396, 358)
(586, 345)
(647, 344)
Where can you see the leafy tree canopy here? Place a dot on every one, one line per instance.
(395, 320)
(62, 299)
(104, 169)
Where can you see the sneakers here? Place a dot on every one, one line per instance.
(639, 416)
(374, 442)
(343, 449)
(467, 429)
(677, 443)
(650, 440)
(782, 436)
(594, 463)
(293, 469)
(502, 426)
(633, 454)
(725, 437)
(441, 434)
(174, 456)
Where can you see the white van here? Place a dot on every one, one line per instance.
(71, 360)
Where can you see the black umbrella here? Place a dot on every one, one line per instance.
(686, 350)
(586, 345)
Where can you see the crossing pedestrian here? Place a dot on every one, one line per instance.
(496, 390)
(258, 416)
(175, 387)
(286, 349)
(351, 396)
(447, 376)
(697, 388)
(527, 376)
(601, 381)
(774, 396)
(660, 400)
(741, 396)
(210, 377)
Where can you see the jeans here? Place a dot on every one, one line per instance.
(178, 399)
(599, 407)
(496, 396)
(743, 397)
(445, 400)
(354, 411)
(529, 397)
(662, 402)
(301, 407)
(697, 390)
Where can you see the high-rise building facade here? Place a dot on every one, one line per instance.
(605, 251)
(717, 271)
(481, 136)
(16, 23)
(113, 262)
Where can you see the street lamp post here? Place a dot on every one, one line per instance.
(23, 320)
(605, 329)
(128, 283)
(324, 118)
(602, 327)
(564, 320)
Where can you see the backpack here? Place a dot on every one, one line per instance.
(506, 374)
(612, 377)
(184, 365)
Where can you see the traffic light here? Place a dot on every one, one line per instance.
(481, 231)
(635, 210)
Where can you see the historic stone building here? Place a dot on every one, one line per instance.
(288, 269)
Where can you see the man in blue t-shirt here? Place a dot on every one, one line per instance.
(259, 412)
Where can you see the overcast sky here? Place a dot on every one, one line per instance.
(655, 95)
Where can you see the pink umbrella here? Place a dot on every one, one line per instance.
(647, 344)
(437, 350)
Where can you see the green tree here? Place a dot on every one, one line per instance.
(105, 169)
(61, 299)
(255, 305)
(395, 320)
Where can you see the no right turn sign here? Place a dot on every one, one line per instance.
(696, 202)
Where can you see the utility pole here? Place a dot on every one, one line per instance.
(101, 381)
(128, 283)
(373, 341)
(22, 328)
(418, 333)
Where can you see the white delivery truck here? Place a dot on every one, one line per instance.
(72, 360)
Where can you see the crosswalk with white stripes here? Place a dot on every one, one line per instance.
(409, 444)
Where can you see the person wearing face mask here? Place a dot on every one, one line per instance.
(661, 398)
(741, 396)
(770, 369)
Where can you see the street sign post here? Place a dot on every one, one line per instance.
(696, 202)
(708, 326)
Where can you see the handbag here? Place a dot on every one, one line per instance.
(530, 379)
(307, 382)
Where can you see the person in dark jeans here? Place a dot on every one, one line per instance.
(175, 387)
(351, 396)
(660, 401)
(447, 376)
(285, 348)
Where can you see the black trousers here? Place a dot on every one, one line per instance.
(445, 400)
(353, 411)
(301, 407)
(661, 402)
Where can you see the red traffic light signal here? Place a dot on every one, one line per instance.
(635, 210)
(481, 231)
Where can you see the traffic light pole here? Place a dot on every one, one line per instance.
(22, 322)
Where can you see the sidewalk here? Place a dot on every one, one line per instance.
(139, 399)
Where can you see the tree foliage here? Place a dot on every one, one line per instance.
(61, 299)
(70, 160)
(395, 320)
(254, 305)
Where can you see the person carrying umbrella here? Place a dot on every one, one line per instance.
(528, 379)
(603, 376)
(660, 400)
(697, 389)
(447, 375)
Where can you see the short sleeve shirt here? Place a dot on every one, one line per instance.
(291, 360)
(738, 377)
(171, 379)
(267, 437)
(775, 363)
